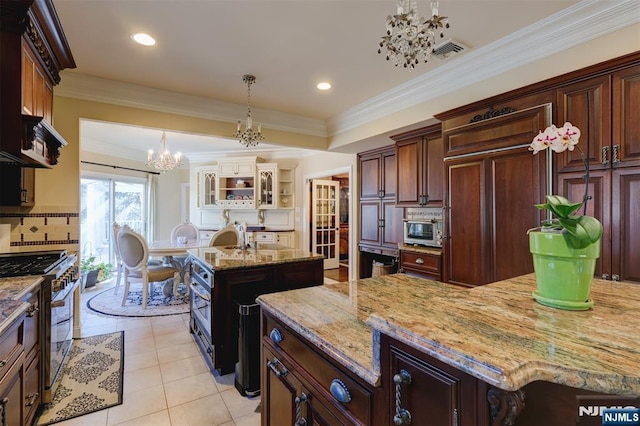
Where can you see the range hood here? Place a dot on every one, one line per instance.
(37, 146)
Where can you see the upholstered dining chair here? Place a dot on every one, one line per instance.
(187, 230)
(134, 253)
(119, 267)
(227, 236)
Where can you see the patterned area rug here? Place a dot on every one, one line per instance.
(158, 304)
(91, 380)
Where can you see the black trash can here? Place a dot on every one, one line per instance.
(247, 377)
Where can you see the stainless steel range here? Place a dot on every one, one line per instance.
(61, 277)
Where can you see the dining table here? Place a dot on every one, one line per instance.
(167, 250)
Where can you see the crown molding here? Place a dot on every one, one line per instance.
(85, 87)
(578, 24)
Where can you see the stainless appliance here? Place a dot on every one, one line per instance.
(423, 227)
(61, 277)
(201, 307)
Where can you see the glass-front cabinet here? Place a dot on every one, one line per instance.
(267, 185)
(207, 181)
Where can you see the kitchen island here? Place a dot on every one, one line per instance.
(224, 278)
(492, 344)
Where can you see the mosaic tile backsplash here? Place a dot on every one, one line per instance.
(42, 228)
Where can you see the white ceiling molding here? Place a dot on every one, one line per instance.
(80, 86)
(573, 26)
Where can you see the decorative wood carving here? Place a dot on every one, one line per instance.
(505, 406)
(491, 113)
(41, 49)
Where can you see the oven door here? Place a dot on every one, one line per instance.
(201, 307)
(61, 329)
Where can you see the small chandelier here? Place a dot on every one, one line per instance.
(163, 160)
(410, 38)
(249, 137)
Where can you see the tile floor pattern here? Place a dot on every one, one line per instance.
(166, 381)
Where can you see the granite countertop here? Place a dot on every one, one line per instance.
(233, 257)
(496, 333)
(12, 290)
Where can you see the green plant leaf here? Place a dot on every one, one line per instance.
(582, 230)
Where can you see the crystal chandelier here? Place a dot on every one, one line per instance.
(249, 137)
(411, 38)
(163, 160)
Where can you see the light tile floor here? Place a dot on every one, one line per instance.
(166, 381)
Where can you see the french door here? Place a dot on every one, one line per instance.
(104, 201)
(325, 223)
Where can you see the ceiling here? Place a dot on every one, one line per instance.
(205, 46)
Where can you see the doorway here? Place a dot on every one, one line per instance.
(341, 178)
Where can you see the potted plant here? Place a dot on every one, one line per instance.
(93, 271)
(566, 247)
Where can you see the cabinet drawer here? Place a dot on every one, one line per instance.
(321, 371)
(11, 345)
(264, 237)
(420, 261)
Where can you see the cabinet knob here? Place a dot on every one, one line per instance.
(605, 276)
(340, 391)
(419, 261)
(615, 277)
(276, 336)
(402, 416)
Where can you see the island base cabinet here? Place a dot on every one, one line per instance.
(286, 401)
(423, 390)
(297, 378)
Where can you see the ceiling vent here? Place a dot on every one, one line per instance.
(448, 49)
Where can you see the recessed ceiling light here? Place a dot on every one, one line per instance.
(324, 86)
(143, 39)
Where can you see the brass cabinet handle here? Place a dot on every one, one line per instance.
(402, 416)
(340, 391)
(605, 155)
(615, 159)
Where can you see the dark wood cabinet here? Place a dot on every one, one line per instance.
(380, 219)
(18, 185)
(605, 109)
(419, 155)
(298, 379)
(421, 263)
(490, 197)
(426, 389)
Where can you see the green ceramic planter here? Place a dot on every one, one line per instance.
(563, 274)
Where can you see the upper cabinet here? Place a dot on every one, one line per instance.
(34, 51)
(419, 156)
(378, 174)
(245, 183)
(603, 108)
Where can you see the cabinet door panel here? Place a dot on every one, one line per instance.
(467, 223)
(278, 393)
(370, 222)
(587, 105)
(432, 395)
(370, 177)
(571, 186)
(626, 224)
(28, 69)
(409, 154)
(388, 174)
(626, 126)
(392, 231)
(434, 171)
(517, 179)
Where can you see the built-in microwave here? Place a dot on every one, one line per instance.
(423, 227)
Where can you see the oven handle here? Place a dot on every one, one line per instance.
(195, 289)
